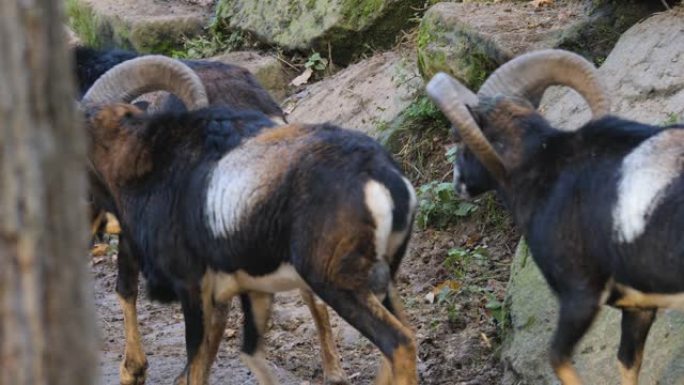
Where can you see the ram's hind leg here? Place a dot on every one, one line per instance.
(332, 370)
(257, 310)
(134, 364)
(636, 324)
(363, 310)
(577, 312)
(393, 303)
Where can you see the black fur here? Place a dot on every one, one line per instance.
(171, 198)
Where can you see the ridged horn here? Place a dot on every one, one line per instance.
(529, 75)
(132, 78)
(449, 95)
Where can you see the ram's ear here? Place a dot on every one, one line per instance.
(112, 117)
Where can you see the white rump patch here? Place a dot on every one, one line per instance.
(645, 174)
(243, 178)
(380, 204)
(398, 237)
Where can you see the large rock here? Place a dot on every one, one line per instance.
(533, 310)
(470, 40)
(346, 27)
(143, 25)
(266, 68)
(645, 75)
(366, 96)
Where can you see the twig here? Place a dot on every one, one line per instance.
(667, 6)
(286, 62)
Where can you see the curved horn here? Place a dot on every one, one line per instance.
(447, 93)
(529, 75)
(132, 78)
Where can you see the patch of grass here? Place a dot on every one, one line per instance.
(672, 118)
(418, 140)
(493, 213)
(83, 21)
(439, 207)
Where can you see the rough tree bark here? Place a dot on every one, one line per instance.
(47, 331)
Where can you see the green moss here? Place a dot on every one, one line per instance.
(345, 28)
(163, 37)
(452, 47)
(357, 13)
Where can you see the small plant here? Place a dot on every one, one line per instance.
(424, 109)
(672, 118)
(493, 213)
(458, 260)
(451, 154)
(439, 206)
(447, 298)
(316, 62)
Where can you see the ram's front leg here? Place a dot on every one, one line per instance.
(134, 364)
(332, 370)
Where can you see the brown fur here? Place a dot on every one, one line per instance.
(567, 374)
(504, 114)
(116, 149)
(282, 133)
(134, 363)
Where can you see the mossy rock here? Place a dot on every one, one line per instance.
(533, 313)
(469, 40)
(346, 28)
(447, 44)
(145, 26)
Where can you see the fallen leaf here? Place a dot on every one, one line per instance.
(451, 284)
(97, 260)
(430, 297)
(99, 250)
(303, 78)
(541, 3)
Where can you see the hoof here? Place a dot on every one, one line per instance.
(132, 376)
(336, 381)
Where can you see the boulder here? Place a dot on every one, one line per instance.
(645, 75)
(345, 27)
(470, 40)
(366, 96)
(267, 68)
(143, 25)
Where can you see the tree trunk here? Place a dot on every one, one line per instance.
(47, 331)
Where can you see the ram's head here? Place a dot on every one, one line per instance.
(497, 125)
